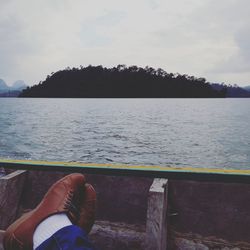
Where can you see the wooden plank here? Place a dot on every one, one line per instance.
(209, 209)
(11, 187)
(1, 239)
(156, 226)
(184, 173)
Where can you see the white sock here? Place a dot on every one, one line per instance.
(48, 227)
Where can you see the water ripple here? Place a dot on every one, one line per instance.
(168, 132)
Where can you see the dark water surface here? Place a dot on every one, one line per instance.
(180, 132)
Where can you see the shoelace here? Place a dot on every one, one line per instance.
(73, 203)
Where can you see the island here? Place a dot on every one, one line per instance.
(123, 82)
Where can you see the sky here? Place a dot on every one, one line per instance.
(208, 38)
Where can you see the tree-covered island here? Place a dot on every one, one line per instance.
(120, 82)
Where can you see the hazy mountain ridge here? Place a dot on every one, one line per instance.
(11, 91)
(3, 85)
(247, 88)
(233, 90)
(19, 85)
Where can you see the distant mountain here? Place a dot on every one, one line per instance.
(18, 85)
(3, 85)
(247, 88)
(11, 91)
(232, 90)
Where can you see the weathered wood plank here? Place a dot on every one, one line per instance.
(1, 239)
(156, 228)
(11, 187)
(112, 236)
(215, 211)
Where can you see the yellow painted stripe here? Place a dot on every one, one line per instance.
(128, 167)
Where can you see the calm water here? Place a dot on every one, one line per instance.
(180, 132)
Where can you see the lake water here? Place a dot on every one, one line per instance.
(207, 133)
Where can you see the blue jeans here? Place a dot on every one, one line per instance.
(70, 238)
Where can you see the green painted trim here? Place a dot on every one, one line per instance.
(125, 167)
(137, 170)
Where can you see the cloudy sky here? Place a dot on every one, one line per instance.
(204, 38)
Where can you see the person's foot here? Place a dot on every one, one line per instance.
(70, 195)
(88, 208)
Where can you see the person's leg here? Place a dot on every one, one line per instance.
(70, 237)
(49, 227)
(68, 201)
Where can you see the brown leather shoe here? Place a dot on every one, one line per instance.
(65, 196)
(88, 208)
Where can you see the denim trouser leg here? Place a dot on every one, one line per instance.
(70, 238)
